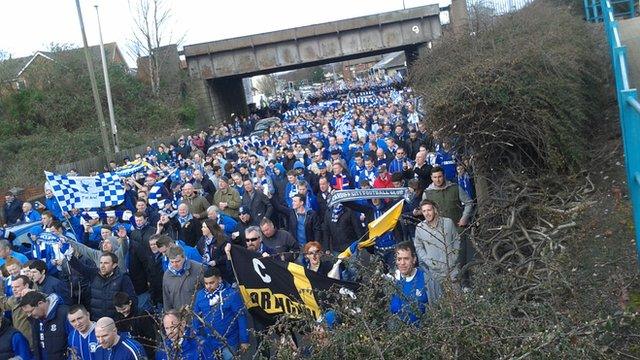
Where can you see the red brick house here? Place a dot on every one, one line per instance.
(19, 73)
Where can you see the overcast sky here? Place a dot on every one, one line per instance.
(30, 25)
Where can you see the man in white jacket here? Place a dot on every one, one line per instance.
(437, 245)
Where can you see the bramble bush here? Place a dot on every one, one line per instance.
(527, 87)
(523, 98)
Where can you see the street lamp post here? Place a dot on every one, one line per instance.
(94, 88)
(112, 117)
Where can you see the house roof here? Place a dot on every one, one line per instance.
(12, 68)
(110, 49)
(35, 56)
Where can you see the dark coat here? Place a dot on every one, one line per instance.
(155, 278)
(171, 229)
(56, 331)
(324, 268)
(279, 185)
(6, 340)
(288, 163)
(138, 266)
(413, 146)
(258, 205)
(422, 174)
(208, 188)
(314, 181)
(104, 288)
(283, 243)
(12, 212)
(190, 232)
(241, 240)
(312, 226)
(141, 236)
(322, 206)
(215, 252)
(139, 326)
(52, 285)
(340, 234)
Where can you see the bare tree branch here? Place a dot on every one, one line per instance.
(152, 23)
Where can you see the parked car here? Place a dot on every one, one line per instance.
(264, 124)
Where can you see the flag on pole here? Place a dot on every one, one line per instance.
(132, 168)
(156, 196)
(377, 227)
(86, 192)
(270, 287)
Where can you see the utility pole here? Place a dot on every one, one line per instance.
(112, 117)
(94, 88)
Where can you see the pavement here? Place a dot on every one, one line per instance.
(630, 37)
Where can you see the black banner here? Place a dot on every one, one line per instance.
(270, 287)
(339, 196)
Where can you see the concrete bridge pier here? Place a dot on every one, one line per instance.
(217, 98)
(227, 96)
(412, 53)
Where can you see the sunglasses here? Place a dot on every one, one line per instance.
(253, 239)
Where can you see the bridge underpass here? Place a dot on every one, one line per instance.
(218, 67)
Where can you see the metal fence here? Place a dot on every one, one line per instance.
(628, 106)
(497, 7)
(594, 9)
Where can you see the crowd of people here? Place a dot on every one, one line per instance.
(93, 283)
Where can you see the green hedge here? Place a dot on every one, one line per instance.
(55, 122)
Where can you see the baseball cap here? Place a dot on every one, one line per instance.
(243, 210)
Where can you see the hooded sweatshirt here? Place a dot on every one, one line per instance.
(95, 255)
(51, 333)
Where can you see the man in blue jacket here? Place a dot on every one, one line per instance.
(49, 326)
(29, 214)
(412, 286)
(220, 316)
(48, 284)
(104, 282)
(12, 342)
(82, 340)
(226, 222)
(113, 346)
(179, 342)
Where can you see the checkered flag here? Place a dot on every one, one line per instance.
(84, 192)
(155, 193)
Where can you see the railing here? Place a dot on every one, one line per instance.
(629, 109)
(498, 7)
(593, 9)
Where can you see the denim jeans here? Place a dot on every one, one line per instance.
(144, 301)
(225, 353)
